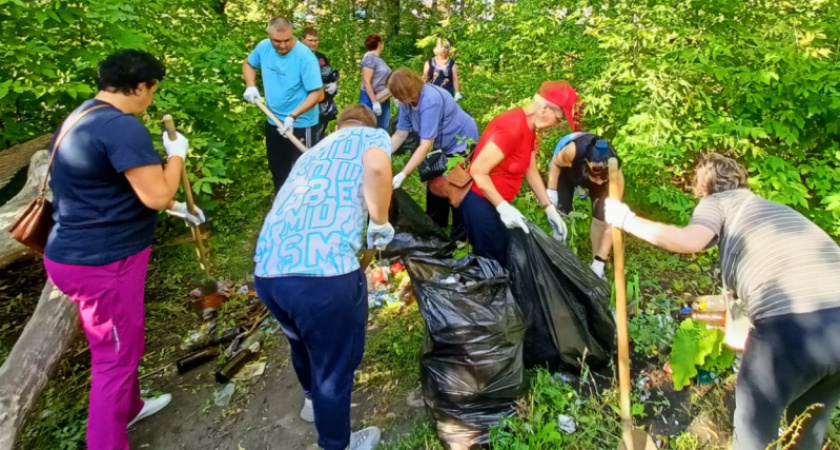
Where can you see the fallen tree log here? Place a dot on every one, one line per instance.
(15, 158)
(33, 359)
(10, 249)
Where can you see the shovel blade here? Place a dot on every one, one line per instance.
(641, 441)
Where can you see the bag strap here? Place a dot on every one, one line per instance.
(567, 139)
(65, 128)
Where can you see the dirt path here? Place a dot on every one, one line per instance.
(266, 416)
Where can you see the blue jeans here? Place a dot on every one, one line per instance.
(383, 120)
(324, 319)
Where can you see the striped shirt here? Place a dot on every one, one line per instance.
(772, 257)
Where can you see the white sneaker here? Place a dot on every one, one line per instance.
(366, 439)
(307, 413)
(150, 407)
(597, 267)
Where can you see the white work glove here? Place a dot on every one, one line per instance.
(377, 108)
(511, 217)
(398, 180)
(288, 125)
(177, 147)
(617, 213)
(252, 94)
(558, 226)
(552, 196)
(181, 211)
(458, 96)
(331, 88)
(379, 236)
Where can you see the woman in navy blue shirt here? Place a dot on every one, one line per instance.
(108, 184)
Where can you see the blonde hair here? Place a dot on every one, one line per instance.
(445, 45)
(405, 85)
(717, 173)
(356, 113)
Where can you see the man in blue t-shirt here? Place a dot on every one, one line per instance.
(307, 273)
(291, 79)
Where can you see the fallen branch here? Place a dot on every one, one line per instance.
(33, 359)
(10, 249)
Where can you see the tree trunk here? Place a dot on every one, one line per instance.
(392, 18)
(10, 249)
(33, 359)
(15, 158)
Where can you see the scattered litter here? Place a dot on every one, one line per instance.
(566, 424)
(565, 378)
(243, 290)
(222, 397)
(252, 370)
(415, 398)
(667, 368)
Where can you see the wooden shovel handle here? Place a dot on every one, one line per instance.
(279, 122)
(621, 317)
(169, 125)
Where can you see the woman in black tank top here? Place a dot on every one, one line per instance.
(442, 71)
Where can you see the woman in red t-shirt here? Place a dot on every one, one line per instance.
(505, 154)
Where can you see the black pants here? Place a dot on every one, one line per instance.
(790, 362)
(282, 154)
(598, 193)
(487, 233)
(438, 209)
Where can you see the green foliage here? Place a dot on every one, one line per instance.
(695, 346)
(422, 437)
(535, 424)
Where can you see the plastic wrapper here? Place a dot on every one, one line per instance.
(471, 365)
(416, 233)
(565, 305)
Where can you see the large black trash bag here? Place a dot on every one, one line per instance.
(471, 366)
(411, 142)
(566, 305)
(416, 233)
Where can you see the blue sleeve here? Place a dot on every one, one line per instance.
(378, 138)
(403, 120)
(128, 144)
(254, 57)
(431, 113)
(310, 72)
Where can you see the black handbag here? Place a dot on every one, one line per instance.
(434, 164)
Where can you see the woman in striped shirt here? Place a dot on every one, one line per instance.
(784, 270)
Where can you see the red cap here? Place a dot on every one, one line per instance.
(563, 95)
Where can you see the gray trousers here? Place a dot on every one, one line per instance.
(791, 362)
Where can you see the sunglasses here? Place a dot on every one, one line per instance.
(597, 171)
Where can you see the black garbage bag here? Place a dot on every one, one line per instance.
(411, 142)
(416, 233)
(565, 305)
(471, 368)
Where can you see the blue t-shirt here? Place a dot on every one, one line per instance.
(315, 226)
(438, 117)
(287, 80)
(98, 217)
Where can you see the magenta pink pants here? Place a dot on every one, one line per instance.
(110, 300)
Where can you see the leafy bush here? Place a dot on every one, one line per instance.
(696, 346)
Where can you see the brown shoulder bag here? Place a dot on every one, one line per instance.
(33, 227)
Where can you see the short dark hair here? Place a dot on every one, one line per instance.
(308, 31)
(372, 41)
(124, 70)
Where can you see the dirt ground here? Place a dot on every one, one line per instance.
(265, 416)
